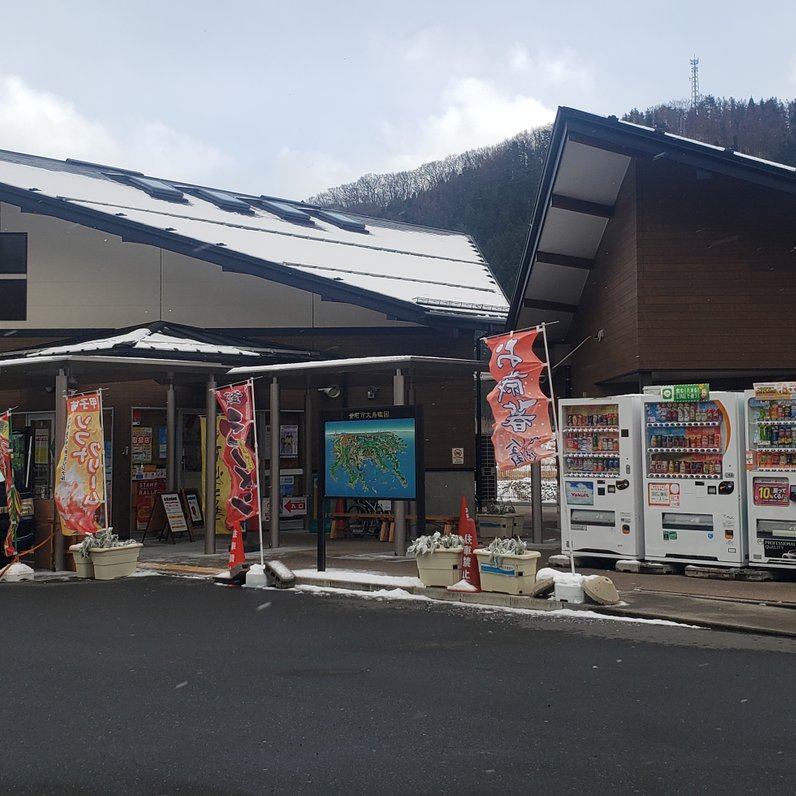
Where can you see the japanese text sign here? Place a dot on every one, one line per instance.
(80, 477)
(237, 403)
(520, 408)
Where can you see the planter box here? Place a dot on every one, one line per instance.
(84, 568)
(115, 562)
(515, 575)
(440, 568)
(491, 526)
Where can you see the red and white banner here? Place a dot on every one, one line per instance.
(12, 496)
(80, 476)
(237, 404)
(520, 408)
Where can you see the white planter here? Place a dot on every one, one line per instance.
(515, 575)
(440, 568)
(115, 562)
(83, 566)
(491, 526)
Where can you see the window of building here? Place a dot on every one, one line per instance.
(13, 276)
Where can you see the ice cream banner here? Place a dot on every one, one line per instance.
(80, 475)
(237, 403)
(12, 496)
(519, 407)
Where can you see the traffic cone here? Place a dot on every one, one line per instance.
(237, 555)
(471, 577)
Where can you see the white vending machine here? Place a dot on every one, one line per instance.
(601, 509)
(694, 485)
(771, 474)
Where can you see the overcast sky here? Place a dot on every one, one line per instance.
(289, 98)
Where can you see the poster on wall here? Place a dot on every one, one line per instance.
(371, 453)
(288, 441)
(141, 445)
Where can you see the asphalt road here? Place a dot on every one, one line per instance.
(160, 685)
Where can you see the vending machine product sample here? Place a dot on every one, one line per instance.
(694, 492)
(601, 508)
(771, 474)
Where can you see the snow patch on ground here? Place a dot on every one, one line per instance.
(358, 576)
(378, 594)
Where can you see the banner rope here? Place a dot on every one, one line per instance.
(16, 558)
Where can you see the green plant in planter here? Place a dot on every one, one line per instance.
(424, 545)
(101, 540)
(500, 547)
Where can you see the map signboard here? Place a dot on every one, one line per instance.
(371, 453)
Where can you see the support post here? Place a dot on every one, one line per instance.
(399, 506)
(171, 437)
(309, 424)
(276, 502)
(210, 467)
(61, 387)
(536, 502)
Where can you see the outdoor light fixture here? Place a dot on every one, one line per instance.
(332, 391)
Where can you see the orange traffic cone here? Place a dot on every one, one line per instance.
(471, 577)
(237, 554)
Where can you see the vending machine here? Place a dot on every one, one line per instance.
(771, 474)
(601, 509)
(694, 490)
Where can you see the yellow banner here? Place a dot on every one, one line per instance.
(80, 476)
(223, 483)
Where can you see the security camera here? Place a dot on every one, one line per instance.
(332, 391)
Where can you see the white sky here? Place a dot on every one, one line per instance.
(289, 98)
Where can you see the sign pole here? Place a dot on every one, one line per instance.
(104, 476)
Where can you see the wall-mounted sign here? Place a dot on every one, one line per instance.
(685, 392)
(457, 455)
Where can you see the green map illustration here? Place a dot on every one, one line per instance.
(370, 462)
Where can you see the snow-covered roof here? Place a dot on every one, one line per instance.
(171, 341)
(436, 271)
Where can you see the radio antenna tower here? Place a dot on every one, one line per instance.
(694, 82)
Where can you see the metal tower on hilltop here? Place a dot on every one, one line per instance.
(694, 82)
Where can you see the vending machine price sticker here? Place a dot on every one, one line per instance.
(771, 491)
(659, 495)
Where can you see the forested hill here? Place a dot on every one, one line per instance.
(489, 193)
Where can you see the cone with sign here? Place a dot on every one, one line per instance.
(471, 577)
(237, 555)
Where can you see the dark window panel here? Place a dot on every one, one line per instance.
(13, 252)
(13, 299)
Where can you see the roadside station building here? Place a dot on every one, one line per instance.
(659, 260)
(153, 289)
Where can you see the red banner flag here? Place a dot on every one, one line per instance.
(237, 403)
(12, 496)
(520, 408)
(80, 476)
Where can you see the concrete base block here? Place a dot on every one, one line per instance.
(645, 567)
(729, 573)
(560, 561)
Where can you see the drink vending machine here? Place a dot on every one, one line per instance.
(601, 509)
(694, 506)
(771, 474)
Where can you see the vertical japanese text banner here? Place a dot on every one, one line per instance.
(520, 408)
(237, 403)
(80, 476)
(12, 496)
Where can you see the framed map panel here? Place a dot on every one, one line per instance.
(371, 453)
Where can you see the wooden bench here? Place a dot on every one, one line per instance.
(340, 523)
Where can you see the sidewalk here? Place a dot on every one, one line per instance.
(365, 564)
